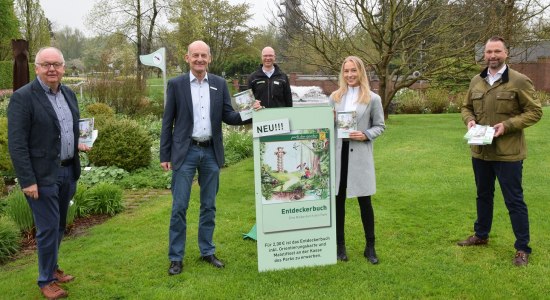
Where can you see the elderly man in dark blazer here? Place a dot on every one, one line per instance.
(43, 144)
(191, 139)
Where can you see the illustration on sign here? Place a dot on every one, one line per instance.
(295, 169)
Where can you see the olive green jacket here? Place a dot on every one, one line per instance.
(511, 101)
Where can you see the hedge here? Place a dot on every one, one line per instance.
(6, 74)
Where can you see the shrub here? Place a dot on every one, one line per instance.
(78, 199)
(437, 100)
(237, 143)
(6, 167)
(410, 102)
(151, 177)
(71, 213)
(4, 101)
(123, 94)
(152, 125)
(101, 113)
(104, 198)
(9, 238)
(100, 109)
(122, 143)
(19, 210)
(544, 97)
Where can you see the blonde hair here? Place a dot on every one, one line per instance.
(364, 87)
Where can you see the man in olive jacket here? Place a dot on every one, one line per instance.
(504, 99)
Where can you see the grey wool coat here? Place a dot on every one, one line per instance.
(361, 177)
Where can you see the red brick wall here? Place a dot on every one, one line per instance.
(539, 72)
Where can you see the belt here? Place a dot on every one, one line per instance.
(201, 144)
(67, 162)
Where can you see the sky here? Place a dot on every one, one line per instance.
(60, 13)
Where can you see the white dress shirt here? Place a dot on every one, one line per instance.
(200, 93)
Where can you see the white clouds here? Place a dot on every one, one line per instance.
(73, 13)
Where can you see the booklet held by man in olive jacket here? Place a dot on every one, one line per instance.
(480, 135)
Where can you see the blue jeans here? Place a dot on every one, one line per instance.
(50, 217)
(509, 175)
(203, 160)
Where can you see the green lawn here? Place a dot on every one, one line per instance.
(424, 204)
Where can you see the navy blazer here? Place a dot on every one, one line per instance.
(177, 122)
(34, 135)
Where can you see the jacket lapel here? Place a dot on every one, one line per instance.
(186, 90)
(39, 93)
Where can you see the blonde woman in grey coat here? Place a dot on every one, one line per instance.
(354, 155)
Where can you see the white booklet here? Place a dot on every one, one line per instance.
(346, 122)
(88, 134)
(480, 135)
(244, 102)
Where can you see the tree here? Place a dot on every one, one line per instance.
(136, 20)
(34, 26)
(70, 41)
(9, 28)
(402, 41)
(108, 53)
(216, 22)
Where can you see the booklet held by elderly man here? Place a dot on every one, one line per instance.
(244, 102)
(87, 133)
(480, 135)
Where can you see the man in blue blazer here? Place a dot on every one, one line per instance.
(191, 140)
(43, 144)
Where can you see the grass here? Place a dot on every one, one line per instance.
(425, 202)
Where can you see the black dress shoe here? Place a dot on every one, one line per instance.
(213, 260)
(370, 254)
(175, 268)
(341, 253)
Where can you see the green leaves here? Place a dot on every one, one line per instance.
(19, 210)
(9, 238)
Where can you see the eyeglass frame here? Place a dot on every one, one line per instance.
(55, 65)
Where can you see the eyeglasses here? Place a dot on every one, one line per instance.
(55, 65)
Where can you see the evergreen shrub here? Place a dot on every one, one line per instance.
(6, 74)
(6, 167)
(122, 143)
(101, 112)
(9, 238)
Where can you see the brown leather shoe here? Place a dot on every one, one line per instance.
(62, 277)
(473, 241)
(53, 291)
(521, 259)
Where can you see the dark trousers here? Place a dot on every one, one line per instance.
(50, 217)
(365, 204)
(509, 175)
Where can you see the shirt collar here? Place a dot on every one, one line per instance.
(193, 78)
(501, 71)
(46, 88)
